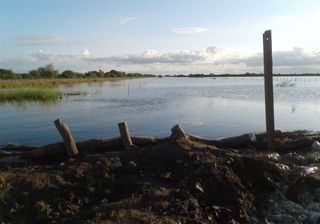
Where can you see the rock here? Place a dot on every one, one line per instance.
(105, 201)
(281, 218)
(42, 210)
(273, 156)
(165, 175)
(199, 187)
(314, 207)
(315, 145)
(132, 164)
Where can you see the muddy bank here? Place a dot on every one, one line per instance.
(171, 181)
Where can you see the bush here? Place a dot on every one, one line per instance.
(68, 74)
(7, 74)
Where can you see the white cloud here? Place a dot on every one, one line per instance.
(154, 57)
(127, 20)
(190, 30)
(292, 58)
(85, 53)
(45, 39)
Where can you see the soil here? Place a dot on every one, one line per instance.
(174, 182)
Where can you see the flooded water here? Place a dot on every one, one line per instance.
(207, 107)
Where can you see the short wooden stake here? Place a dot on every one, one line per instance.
(66, 135)
(125, 135)
(177, 132)
(268, 87)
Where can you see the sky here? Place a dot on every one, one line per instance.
(159, 37)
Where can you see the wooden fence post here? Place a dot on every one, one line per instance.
(66, 135)
(178, 132)
(268, 87)
(125, 135)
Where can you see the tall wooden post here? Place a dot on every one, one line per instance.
(268, 87)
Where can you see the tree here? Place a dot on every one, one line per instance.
(68, 74)
(7, 74)
(47, 71)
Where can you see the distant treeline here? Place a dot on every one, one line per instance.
(240, 75)
(49, 72)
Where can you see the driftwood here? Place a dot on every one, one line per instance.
(178, 132)
(237, 141)
(125, 135)
(201, 139)
(66, 135)
(116, 145)
(299, 143)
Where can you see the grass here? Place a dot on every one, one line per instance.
(286, 83)
(49, 83)
(29, 94)
(42, 90)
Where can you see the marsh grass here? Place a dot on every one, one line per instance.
(286, 83)
(43, 90)
(29, 94)
(50, 83)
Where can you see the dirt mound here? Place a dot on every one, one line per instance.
(179, 181)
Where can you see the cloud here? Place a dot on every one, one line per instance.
(154, 57)
(46, 39)
(127, 20)
(293, 58)
(45, 56)
(190, 30)
(210, 60)
(85, 53)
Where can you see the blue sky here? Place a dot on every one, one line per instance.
(160, 37)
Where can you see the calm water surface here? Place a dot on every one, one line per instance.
(208, 107)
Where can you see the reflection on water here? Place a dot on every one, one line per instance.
(208, 107)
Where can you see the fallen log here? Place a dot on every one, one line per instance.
(238, 141)
(201, 139)
(300, 143)
(98, 145)
(146, 140)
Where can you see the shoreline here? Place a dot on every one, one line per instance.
(182, 178)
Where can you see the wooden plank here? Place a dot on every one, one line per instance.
(66, 135)
(268, 87)
(125, 135)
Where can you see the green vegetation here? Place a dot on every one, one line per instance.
(286, 83)
(38, 84)
(29, 94)
(49, 72)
